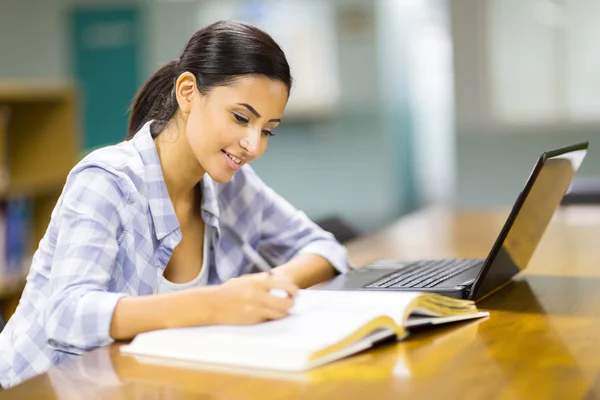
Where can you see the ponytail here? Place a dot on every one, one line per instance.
(155, 100)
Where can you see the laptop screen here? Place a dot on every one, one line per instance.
(530, 217)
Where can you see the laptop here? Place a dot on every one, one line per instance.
(476, 278)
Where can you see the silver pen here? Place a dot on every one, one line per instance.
(258, 260)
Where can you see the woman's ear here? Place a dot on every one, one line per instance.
(185, 90)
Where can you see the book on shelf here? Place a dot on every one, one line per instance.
(15, 215)
(322, 327)
(15, 234)
(5, 113)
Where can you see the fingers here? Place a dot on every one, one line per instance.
(272, 314)
(264, 306)
(281, 304)
(264, 296)
(281, 283)
(276, 303)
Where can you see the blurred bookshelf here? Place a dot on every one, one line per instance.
(39, 144)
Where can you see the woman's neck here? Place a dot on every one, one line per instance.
(180, 169)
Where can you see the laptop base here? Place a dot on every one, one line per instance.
(358, 279)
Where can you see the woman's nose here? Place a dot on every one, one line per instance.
(251, 143)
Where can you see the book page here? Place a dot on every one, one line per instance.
(301, 331)
(285, 344)
(391, 304)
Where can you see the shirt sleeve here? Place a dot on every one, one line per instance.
(287, 232)
(89, 217)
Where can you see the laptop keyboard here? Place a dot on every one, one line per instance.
(425, 274)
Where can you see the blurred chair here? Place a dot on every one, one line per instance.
(582, 191)
(340, 229)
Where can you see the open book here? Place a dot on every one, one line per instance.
(323, 326)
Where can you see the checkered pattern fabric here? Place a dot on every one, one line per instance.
(111, 235)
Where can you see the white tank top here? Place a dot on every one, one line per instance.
(166, 286)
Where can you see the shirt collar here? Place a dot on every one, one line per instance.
(210, 204)
(161, 209)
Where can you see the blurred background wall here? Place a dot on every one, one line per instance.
(427, 101)
(527, 79)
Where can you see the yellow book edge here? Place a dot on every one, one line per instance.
(441, 306)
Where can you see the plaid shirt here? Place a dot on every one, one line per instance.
(111, 235)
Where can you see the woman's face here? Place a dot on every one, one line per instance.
(231, 125)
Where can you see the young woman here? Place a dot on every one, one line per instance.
(154, 232)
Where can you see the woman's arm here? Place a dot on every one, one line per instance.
(139, 314)
(243, 300)
(299, 248)
(306, 270)
(88, 223)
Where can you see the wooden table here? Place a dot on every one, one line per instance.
(542, 339)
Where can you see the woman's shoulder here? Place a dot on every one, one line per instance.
(118, 157)
(116, 165)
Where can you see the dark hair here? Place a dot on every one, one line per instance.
(216, 55)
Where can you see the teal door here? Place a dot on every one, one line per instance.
(106, 46)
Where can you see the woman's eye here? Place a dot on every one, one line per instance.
(267, 132)
(240, 119)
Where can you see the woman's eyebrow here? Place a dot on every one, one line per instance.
(253, 111)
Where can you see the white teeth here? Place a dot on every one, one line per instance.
(234, 158)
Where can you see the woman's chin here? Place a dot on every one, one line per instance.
(221, 177)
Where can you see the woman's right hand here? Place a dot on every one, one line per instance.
(248, 299)
(244, 300)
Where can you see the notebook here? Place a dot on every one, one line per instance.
(373, 365)
(322, 327)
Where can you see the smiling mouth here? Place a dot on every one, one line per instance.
(233, 158)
